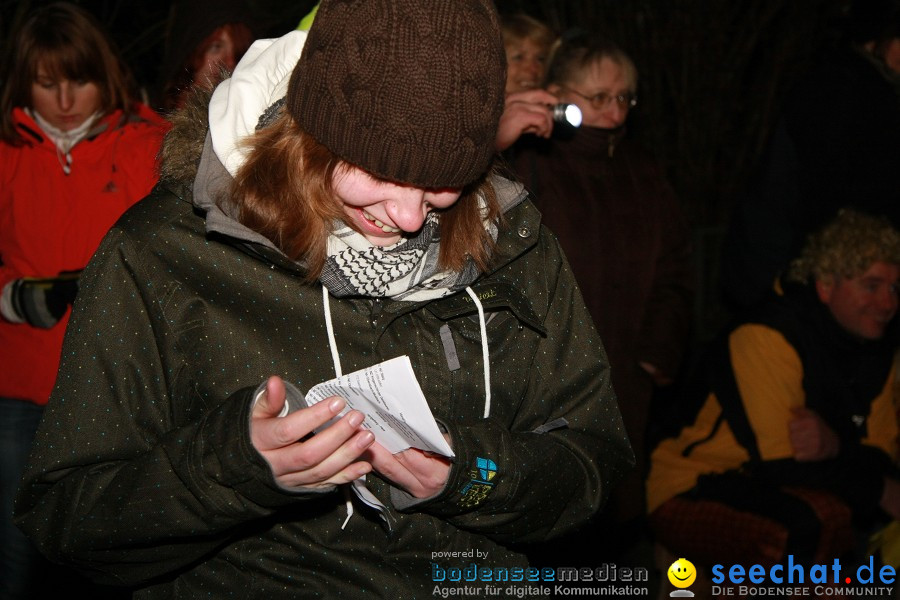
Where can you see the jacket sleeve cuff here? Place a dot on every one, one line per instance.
(242, 466)
(475, 473)
(6, 305)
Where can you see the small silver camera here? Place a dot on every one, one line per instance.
(567, 113)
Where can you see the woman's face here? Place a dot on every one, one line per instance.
(597, 92)
(65, 104)
(525, 62)
(384, 211)
(219, 54)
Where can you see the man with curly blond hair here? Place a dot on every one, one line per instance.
(792, 448)
(845, 262)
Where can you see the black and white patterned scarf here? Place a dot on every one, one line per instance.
(407, 270)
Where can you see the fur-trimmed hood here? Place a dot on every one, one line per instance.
(183, 144)
(231, 108)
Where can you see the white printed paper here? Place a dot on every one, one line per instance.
(396, 411)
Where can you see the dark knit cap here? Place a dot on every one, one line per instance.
(409, 90)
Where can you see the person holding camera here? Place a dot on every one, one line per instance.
(528, 108)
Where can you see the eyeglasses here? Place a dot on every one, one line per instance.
(603, 99)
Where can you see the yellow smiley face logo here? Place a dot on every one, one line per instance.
(682, 573)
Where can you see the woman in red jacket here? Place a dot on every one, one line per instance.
(76, 151)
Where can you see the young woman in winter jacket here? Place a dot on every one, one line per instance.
(332, 208)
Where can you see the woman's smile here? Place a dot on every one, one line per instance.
(384, 211)
(385, 228)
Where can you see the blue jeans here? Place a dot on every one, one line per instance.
(21, 566)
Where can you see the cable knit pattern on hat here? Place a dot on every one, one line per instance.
(409, 90)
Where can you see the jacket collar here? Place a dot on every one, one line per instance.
(590, 142)
(33, 133)
(113, 121)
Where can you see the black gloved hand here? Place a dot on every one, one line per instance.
(42, 302)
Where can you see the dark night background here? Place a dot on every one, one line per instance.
(712, 77)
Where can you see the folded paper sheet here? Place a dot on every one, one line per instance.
(395, 407)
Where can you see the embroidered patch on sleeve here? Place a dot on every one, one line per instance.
(480, 484)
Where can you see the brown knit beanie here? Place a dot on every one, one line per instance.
(409, 90)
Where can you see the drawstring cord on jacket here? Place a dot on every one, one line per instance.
(329, 327)
(335, 358)
(338, 371)
(64, 141)
(485, 356)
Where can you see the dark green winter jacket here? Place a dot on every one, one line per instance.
(143, 472)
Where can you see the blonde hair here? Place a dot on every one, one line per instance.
(519, 27)
(846, 248)
(284, 191)
(576, 51)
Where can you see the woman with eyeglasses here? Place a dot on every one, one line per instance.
(623, 232)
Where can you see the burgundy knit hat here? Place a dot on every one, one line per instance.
(409, 90)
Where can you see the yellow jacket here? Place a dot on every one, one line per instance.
(769, 374)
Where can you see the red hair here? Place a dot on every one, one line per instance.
(176, 89)
(241, 38)
(284, 191)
